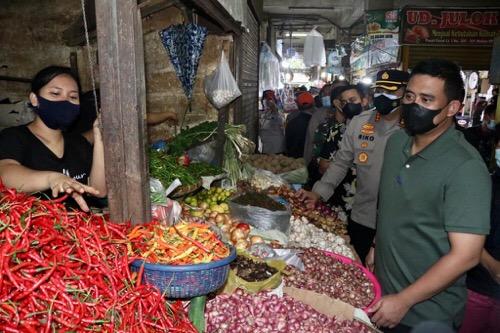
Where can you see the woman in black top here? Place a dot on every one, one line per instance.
(42, 156)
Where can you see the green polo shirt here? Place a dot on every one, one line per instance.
(444, 188)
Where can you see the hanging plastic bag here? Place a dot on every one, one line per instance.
(269, 70)
(221, 87)
(314, 49)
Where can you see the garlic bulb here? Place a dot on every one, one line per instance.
(305, 234)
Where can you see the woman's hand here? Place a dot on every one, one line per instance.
(60, 183)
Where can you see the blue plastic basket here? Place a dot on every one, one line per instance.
(186, 281)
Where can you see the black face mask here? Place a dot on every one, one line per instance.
(57, 114)
(418, 119)
(352, 109)
(385, 105)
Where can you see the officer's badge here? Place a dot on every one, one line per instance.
(385, 76)
(368, 129)
(363, 157)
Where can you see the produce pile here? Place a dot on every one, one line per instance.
(236, 148)
(321, 216)
(209, 203)
(68, 271)
(191, 137)
(166, 168)
(261, 200)
(181, 244)
(250, 270)
(329, 276)
(304, 234)
(263, 313)
(275, 163)
(202, 169)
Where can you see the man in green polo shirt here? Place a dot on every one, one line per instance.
(434, 204)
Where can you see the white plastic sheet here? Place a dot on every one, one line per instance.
(314, 49)
(269, 70)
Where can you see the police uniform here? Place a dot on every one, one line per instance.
(363, 144)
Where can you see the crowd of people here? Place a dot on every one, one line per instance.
(417, 189)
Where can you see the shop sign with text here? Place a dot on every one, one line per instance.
(382, 21)
(450, 26)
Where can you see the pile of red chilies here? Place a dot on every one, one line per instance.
(67, 271)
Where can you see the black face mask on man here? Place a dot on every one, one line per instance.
(57, 114)
(352, 109)
(386, 103)
(418, 119)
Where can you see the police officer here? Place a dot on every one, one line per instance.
(363, 144)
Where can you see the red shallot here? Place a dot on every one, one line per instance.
(265, 313)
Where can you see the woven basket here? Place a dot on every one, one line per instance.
(186, 281)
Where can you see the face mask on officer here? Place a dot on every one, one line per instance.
(386, 103)
(419, 119)
(352, 109)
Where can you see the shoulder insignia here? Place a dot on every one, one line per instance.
(367, 129)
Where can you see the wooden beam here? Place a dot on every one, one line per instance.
(75, 34)
(214, 10)
(14, 79)
(123, 102)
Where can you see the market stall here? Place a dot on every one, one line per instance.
(248, 246)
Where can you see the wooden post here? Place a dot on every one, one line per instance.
(123, 103)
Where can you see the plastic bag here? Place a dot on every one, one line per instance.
(290, 257)
(289, 104)
(271, 235)
(235, 282)
(269, 70)
(204, 152)
(297, 176)
(221, 87)
(157, 192)
(168, 213)
(314, 49)
(263, 179)
(262, 218)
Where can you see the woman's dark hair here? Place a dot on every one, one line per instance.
(445, 70)
(47, 74)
